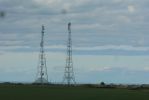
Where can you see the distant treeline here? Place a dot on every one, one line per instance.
(101, 85)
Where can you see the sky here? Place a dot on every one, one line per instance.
(110, 39)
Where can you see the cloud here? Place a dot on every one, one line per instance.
(100, 69)
(118, 75)
(125, 19)
(115, 47)
(104, 47)
(146, 69)
(117, 1)
(87, 68)
(99, 50)
(131, 8)
(117, 23)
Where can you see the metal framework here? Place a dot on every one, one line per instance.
(42, 76)
(69, 77)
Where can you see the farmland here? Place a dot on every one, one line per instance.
(36, 92)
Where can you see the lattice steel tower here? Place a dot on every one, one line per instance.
(42, 76)
(69, 77)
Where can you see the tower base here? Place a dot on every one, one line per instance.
(41, 81)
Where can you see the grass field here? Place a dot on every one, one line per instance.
(29, 92)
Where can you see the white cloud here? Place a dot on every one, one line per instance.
(55, 47)
(146, 69)
(114, 47)
(100, 69)
(118, 1)
(124, 18)
(93, 48)
(104, 47)
(131, 8)
(94, 23)
(13, 47)
(25, 65)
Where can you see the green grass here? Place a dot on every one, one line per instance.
(30, 92)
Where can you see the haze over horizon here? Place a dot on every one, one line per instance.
(110, 39)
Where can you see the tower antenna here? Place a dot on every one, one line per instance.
(69, 77)
(42, 76)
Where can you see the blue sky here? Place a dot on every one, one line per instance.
(110, 39)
